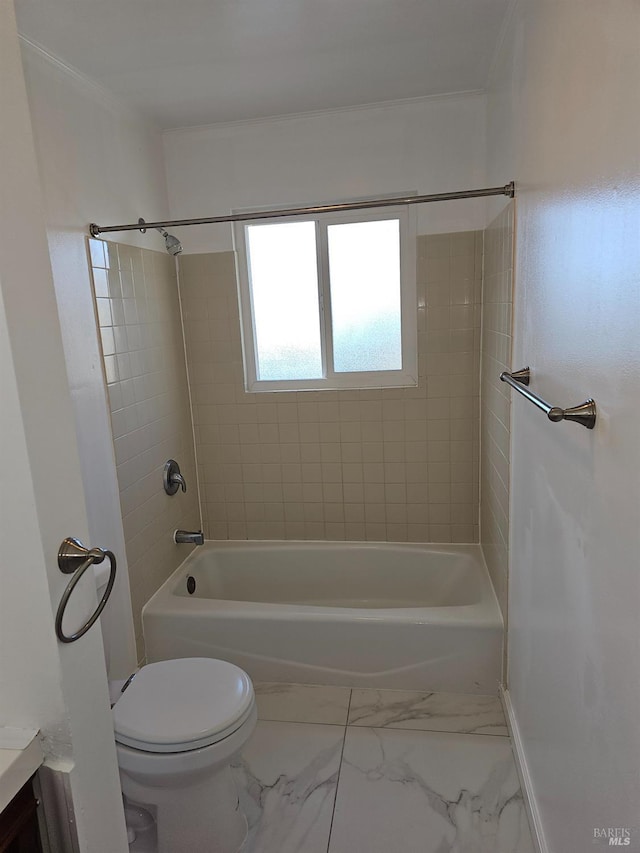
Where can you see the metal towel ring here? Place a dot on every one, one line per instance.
(74, 557)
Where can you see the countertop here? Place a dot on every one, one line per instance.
(20, 757)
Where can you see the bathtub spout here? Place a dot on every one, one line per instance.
(188, 537)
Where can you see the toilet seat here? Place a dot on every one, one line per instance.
(184, 704)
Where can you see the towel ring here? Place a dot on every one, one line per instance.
(74, 557)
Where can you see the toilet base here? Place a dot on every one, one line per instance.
(149, 843)
(141, 828)
(204, 818)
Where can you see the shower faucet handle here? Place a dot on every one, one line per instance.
(172, 478)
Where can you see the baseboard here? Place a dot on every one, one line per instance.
(530, 803)
(57, 817)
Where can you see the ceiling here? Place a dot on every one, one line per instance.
(193, 62)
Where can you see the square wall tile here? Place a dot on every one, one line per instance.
(138, 313)
(334, 442)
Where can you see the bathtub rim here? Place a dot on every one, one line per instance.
(483, 613)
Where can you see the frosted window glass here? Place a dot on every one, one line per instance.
(284, 291)
(364, 272)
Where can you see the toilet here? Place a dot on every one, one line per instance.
(178, 726)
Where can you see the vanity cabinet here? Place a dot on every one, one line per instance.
(19, 831)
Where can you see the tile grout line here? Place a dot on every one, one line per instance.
(299, 722)
(335, 799)
(385, 727)
(429, 731)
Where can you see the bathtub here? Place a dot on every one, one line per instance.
(404, 616)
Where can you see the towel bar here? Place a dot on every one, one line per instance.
(584, 414)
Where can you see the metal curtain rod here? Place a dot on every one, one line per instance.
(508, 190)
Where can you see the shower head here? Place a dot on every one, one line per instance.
(173, 245)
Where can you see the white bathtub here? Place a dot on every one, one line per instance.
(407, 616)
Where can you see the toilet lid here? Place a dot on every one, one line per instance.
(177, 705)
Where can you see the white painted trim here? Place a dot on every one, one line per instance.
(406, 377)
(114, 101)
(530, 804)
(93, 89)
(330, 111)
(324, 299)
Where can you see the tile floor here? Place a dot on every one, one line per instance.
(334, 770)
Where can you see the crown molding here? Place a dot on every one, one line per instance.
(285, 117)
(90, 87)
(105, 96)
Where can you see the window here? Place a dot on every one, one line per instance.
(328, 301)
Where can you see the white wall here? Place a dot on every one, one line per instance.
(59, 689)
(98, 162)
(429, 145)
(563, 115)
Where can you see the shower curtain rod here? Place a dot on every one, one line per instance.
(508, 190)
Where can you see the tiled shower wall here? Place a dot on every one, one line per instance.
(138, 314)
(392, 464)
(496, 399)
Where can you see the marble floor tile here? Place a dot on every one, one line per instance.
(287, 778)
(302, 703)
(437, 712)
(426, 792)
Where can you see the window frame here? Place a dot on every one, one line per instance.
(407, 376)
